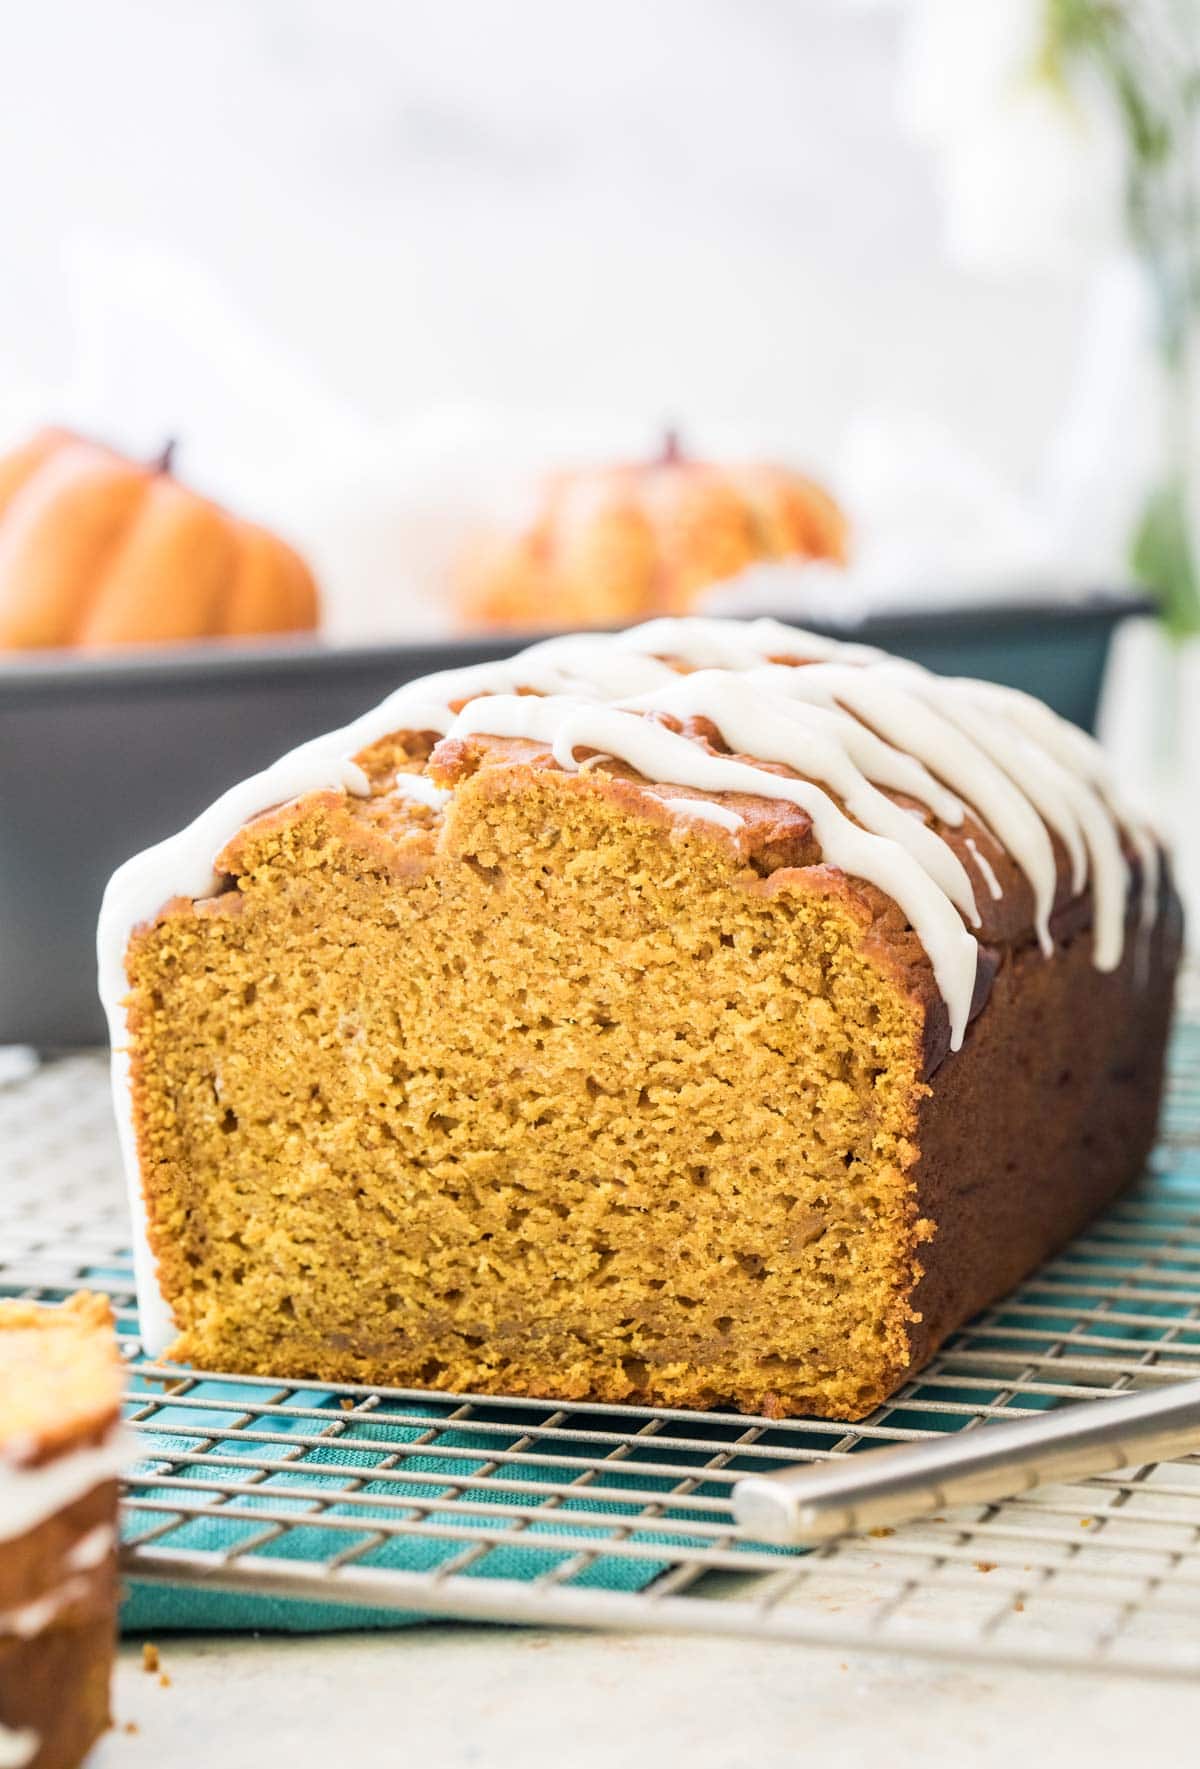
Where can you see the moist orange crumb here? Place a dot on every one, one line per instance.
(486, 1119)
(60, 1373)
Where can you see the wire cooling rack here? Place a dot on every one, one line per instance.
(602, 1516)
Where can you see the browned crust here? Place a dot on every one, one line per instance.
(393, 833)
(37, 1563)
(1046, 1113)
(58, 1686)
(85, 1312)
(775, 833)
(55, 1679)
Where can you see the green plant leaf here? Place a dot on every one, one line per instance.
(1164, 559)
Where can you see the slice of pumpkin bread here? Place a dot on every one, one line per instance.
(60, 1452)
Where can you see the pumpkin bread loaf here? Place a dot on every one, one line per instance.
(59, 1457)
(708, 1014)
(97, 550)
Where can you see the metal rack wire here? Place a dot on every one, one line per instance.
(603, 1516)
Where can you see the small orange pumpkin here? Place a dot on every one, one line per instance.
(614, 544)
(98, 550)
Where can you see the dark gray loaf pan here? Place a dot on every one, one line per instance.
(101, 756)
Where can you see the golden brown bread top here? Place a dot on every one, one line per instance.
(776, 834)
(1007, 895)
(775, 840)
(60, 1376)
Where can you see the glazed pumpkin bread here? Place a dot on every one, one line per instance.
(60, 1452)
(709, 1014)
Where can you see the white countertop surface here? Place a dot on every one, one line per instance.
(452, 1694)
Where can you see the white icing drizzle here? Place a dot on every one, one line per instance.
(772, 731)
(662, 755)
(589, 664)
(28, 1495)
(852, 724)
(737, 644)
(706, 811)
(30, 1619)
(420, 789)
(18, 1746)
(878, 760)
(1068, 806)
(987, 870)
(897, 706)
(1081, 755)
(92, 1548)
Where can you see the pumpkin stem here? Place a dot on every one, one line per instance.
(670, 452)
(164, 460)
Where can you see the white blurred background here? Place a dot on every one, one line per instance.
(371, 261)
(693, 207)
(357, 256)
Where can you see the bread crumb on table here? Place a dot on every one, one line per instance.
(149, 1656)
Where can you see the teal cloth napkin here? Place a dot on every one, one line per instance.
(334, 1467)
